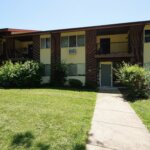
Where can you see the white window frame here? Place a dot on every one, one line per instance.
(76, 40)
(45, 47)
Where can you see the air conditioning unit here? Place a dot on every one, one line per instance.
(72, 51)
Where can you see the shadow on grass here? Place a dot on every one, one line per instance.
(131, 99)
(42, 146)
(79, 147)
(23, 139)
(84, 89)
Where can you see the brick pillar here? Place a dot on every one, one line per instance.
(91, 62)
(36, 47)
(55, 53)
(136, 43)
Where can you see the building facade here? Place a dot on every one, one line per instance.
(90, 53)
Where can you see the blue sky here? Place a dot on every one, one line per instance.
(57, 14)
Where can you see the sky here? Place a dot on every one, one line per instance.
(58, 14)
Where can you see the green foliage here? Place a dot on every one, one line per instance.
(75, 83)
(19, 74)
(45, 119)
(142, 108)
(135, 78)
(91, 85)
(60, 74)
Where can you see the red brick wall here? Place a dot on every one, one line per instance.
(91, 62)
(55, 53)
(36, 47)
(136, 43)
(9, 48)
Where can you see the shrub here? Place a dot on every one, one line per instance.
(135, 78)
(20, 74)
(60, 74)
(75, 83)
(91, 85)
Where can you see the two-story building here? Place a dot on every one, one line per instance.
(90, 53)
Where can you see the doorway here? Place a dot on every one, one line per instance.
(106, 74)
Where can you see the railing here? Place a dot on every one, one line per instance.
(17, 55)
(115, 47)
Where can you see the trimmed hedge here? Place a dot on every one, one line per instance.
(136, 79)
(27, 74)
(75, 83)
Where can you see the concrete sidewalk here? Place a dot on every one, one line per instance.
(115, 126)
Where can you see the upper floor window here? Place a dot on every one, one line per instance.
(64, 41)
(147, 35)
(45, 43)
(80, 40)
(73, 41)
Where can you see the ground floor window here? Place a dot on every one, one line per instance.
(46, 70)
(76, 69)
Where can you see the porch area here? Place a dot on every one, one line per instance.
(20, 48)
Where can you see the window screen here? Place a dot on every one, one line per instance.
(46, 69)
(45, 43)
(76, 69)
(81, 69)
(64, 41)
(80, 40)
(72, 70)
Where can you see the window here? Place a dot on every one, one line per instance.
(1, 49)
(72, 41)
(45, 43)
(46, 69)
(72, 70)
(105, 46)
(81, 69)
(64, 41)
(80, 40)
(72, 51)
(147, 35)
(76, 69)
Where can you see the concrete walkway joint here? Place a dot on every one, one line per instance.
(115, 126)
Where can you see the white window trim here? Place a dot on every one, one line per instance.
(76, 40)
(45, 42)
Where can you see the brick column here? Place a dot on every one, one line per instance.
(91, 62)
(136, 43)
(55, 53)
(36, 47)
(9, 48)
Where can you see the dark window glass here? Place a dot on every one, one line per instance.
(64, 41)
(72, 70)
(45, 43)
(46, 69)
(80, 40)
(147, 35)
(48, 43)
(105, 46)
(72, 41)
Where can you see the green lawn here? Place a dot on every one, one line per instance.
(42, 119)
(142, 108)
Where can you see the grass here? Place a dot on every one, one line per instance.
(42, 119)
(142, 108)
